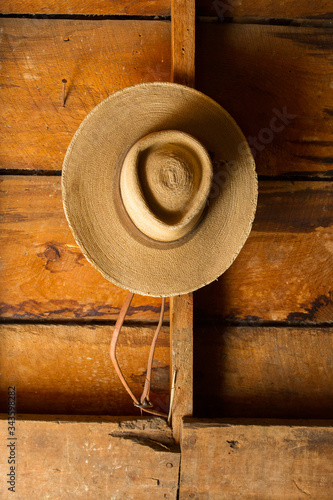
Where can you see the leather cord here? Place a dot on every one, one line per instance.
(144, 404)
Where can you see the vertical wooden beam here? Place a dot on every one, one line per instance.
(183, 41)
(181, 331)
(181, 307)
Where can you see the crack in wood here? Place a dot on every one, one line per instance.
(300, 489)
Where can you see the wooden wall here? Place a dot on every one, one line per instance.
(57, 311)
(262, 332)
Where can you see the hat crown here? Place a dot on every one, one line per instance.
(165, 181)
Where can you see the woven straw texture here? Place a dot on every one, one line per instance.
(93, 203)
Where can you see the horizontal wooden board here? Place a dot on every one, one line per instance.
(277, 83)
(265, 72)
(110, 459)
(67, 369)
(286, 9)
(226, 461)
(263, 372)
(283, 273)
(44, 274)
(96, 58)
(238, 371)
(217, 8)
(97, 7)
(285, 270)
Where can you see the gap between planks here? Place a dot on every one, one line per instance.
(271, 21)
(293, 177)
(292, 22)
(88, 17)
(213, 323)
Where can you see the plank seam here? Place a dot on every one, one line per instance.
(207, 324)
(179, 476)
(264, 324)
(78, 322)
(297, 22)
(87, 17)
(294, 177)
(306, 22)
(320, 22)
(32, 172)
(326, 177)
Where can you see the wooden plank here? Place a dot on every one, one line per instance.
(96, 58)
(226, 460)
(44, 274)
(303, 146)
(265, 9)
(274, 80)
(109, 459)
(283, 273)
(62, 369)
(263, 372)
(97, 7)
(285, 270)
(181, 316)
(216, 8)
(181, 333)
(183, 42)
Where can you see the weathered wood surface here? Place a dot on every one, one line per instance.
(66, 369)
(183, 42)
(181, 332)
(284, 272)
(277, 83)
(111, 459)
(96, 8)
(250, 372)
(287, 9)
(44, 274)
(261, 69)
(217, 8)
(96, 58)
(263, 372)
(227, 461)
(181, 314)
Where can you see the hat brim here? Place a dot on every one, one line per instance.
(93, 207)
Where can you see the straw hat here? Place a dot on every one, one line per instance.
(159, 189)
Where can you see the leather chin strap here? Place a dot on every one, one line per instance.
(144, 404)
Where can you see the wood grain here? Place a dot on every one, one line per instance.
(227, 460)
(96, 58)
(44, 274)
(231, 8)
(265, 9)
(181, 330)
(66, 369)
(183, 42)
(181, 313)
(254, 59)
(284, 272)
(109, 459)
(97, 7)
(277, 83)
(263, 372)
